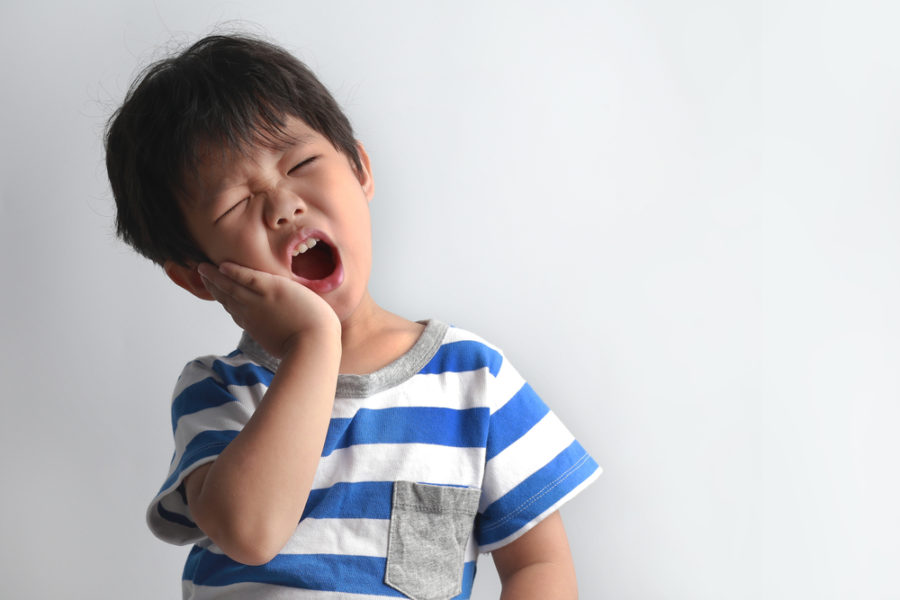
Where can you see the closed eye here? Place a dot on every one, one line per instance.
(302, 164)
(224, 214)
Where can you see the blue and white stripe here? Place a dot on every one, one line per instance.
(453, 411)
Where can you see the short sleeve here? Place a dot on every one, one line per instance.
(213, 400)
(533, 464)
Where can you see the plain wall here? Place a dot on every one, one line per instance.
(678, 219)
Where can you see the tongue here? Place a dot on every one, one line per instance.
(315, 263)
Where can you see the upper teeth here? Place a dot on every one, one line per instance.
(304, 246)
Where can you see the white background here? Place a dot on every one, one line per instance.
(679, 219)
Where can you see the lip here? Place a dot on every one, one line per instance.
(320, 286)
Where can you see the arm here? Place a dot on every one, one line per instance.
(538, 565)
(250, 499)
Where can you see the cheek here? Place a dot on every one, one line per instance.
(244, 246)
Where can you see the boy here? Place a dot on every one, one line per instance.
(402, 449)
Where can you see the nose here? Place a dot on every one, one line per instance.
(282, 207)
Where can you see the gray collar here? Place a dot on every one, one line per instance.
(361, 386)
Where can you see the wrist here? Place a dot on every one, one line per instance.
(324, 339)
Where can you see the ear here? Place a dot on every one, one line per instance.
(365, 175)
(188, 278)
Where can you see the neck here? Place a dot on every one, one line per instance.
(362, 323)
(372, 337)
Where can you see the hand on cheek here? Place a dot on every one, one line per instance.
(274, 310)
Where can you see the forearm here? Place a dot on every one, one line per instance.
(253, 494)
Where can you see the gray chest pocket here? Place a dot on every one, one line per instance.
(430, 528)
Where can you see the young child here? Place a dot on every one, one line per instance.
(341, 451)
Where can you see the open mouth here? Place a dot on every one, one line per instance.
(313, 260)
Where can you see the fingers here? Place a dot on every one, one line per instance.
(245, 276)
(231, 280)
(231, 294)
(215, 291)
(272, 308)
(239, 289)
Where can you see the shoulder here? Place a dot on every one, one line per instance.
(236, 368)
(214, 380)
(475, 368)
(461, 350)
(456, 333)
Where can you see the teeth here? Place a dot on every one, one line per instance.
(303, 247)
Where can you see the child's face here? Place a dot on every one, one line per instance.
(300, 212)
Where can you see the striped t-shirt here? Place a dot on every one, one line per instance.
(446, 452)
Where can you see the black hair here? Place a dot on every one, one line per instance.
(224, 91)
